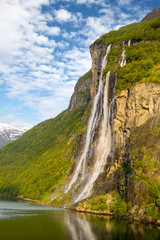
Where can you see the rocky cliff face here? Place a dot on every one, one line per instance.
(97, 50)
(133, 108)
(81, 95)
(151, 15)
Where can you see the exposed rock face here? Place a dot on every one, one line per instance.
(133, 108)
(81, 95)
(97, 50)
(151, 15)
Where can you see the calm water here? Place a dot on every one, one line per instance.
(25, 221)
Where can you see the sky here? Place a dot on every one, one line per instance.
(44, 49)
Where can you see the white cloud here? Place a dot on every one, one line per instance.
(15, 122)
(124, 2)
(62, 15)
(89, 2)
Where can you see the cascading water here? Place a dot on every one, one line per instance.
(123, 61)
(129, 43)
(100, 115)
(103, 147)
(81, 167)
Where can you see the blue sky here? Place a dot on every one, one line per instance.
(44, 49)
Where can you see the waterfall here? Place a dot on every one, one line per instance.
(123, 61)
(92, 123)
(129, 43)
(103, 146)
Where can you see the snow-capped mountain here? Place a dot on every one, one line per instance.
(9, 133)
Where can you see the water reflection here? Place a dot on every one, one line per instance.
(79, 228)
(29, 222)
(108, 228)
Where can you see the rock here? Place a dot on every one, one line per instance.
(97, 50)
(133, 108)
(81, 95)
(153, 14)
(158, 222)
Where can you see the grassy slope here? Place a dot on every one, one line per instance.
(40, 159)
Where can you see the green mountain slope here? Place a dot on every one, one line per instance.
(41, 158)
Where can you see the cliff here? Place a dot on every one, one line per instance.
(133, 107)
(81, 95)
(130, 183)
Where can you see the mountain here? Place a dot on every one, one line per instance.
(9, 133)
(103, 152)
(151, 15)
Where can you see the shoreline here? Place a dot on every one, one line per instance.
(125, 217)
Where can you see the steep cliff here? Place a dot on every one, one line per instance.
(130, 183)
(133, 107)
(81, 95)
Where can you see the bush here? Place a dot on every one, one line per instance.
(151, 211)
(158, 202)
(118, 207)
(154, 190)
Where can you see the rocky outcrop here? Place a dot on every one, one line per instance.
(151, 15)
(97, 50)
(86, 87)
(81, 95)
(133, 108)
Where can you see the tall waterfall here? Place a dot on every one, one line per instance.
(103, 147)
(81, 169)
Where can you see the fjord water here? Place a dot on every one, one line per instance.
(25, 221)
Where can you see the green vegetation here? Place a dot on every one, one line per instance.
(143, 57)
(144, 156)
(154, 190)
(119, 207)
(96, 203)
(113, 56)
(108, 202)
(142, 60)
(152, 212)
(39, 160)
(147, 30)
(62, 199)
(143, 64)
(84, 77)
